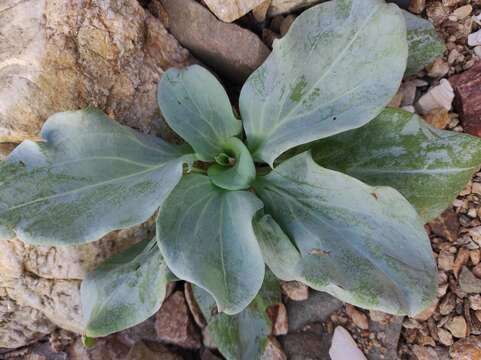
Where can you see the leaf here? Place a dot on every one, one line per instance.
(125, 290)
(365, 245)
(241, 175)
(338, 66)
(206, 237)
(89, 177)
(423, 41)
(242, 336)
(428, 166)
(196, 106)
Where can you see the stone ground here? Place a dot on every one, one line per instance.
(449, 329)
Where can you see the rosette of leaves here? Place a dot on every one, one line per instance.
(343, 215)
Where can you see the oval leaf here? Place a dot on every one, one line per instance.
(243, 336)
(365, 245)
(423, 41)
(239, 176)
(338, 66)
(196, 106)
(398, 149)
(125, 290)
(205, 234)
(89, 177)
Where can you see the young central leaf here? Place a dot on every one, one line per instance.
(338, 66)
(205, 234)
(241, 175)
(365, 245)
(196, 106)
(91, 176)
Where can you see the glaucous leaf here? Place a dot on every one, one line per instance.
(338, 66)
(398, 149)
(365, 245)
(196, 106)
(239, 176)
(125, 290)
(206, 237)
(423, 41)
(89, 177)
(242, 336)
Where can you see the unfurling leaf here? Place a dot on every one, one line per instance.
(423, 41)
(205, 234)
(90, 177)
(365, 245)
(242, 336)
(196, 106)
(398, 149)
(125, 290)
(338, 66)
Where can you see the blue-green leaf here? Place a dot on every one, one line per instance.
(196, 106)
(338, 66)
(365, 245)
(242, 336)
(239, 176)
(427, 165)
(125, 290)
(205, 234)
(89, 177)
(424, 43)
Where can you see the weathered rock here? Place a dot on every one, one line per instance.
(306, 345)
(439, 96)
(151, 351)
(174, 324)
(468, 282)
(466, 349)
(457, 327)
(388, 333)
(428, 312)
(467, 87)
(231, 10)
(446, 225)
(425, 353)
(145, 331)
(273, 350)
(230, 50)
(64, 55)
(278, 315)
(279, 7)
(295, 290)
(439, 118)
(358, 318)
(316, 308)
(344, 347)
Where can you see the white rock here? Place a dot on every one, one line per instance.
(440, 96)
(344, 347)
(230, 10)
(409, 108)
(474, 39)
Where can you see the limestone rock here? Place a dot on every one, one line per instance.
(65, 55)
(230, 10)
(232, 51)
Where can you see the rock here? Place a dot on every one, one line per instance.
(231, 10)
(445, 337)
(474, 39)
(306, 345)
(425, 353)
(388, 333)
(151, 351)
(447, 304)
(273, 350)
(358, 318)
(467, 87)
(438, 68)
(437, 12)
(440, 96)
(446, 225)
(104, 349)
(461, 259)
(278, 315)
(475, 302)
(260, 11)
(295, 290)
(286, 24)
(58, 56)
(193, 306)
(380, 317)
(457, 327)
(417, 6)
(439, 118)
(469, 283)
(145, 331)
(428, 312)
(344, 347)
(174, 324)
(466, 349)
(208, 355)
(462, 12)
(230, 50)
(279, 7)
(318, 307)
(445, 260)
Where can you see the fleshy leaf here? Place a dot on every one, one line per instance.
(89, 177)
(338, 66)
(423, 41)
(196, 106)
(398, 149)
(206, 237)
(242, 336)
(365, 245)
(125, 290)
(239, 176)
